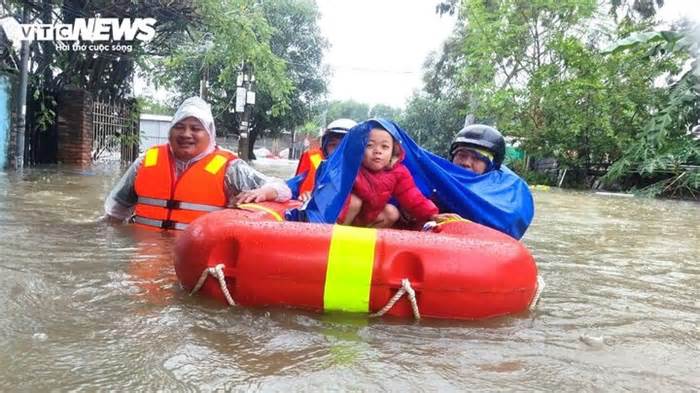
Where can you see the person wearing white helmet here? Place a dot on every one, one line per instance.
(335, 132)
(172, 184)
(311, 159)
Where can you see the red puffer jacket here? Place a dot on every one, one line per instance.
(376, 188)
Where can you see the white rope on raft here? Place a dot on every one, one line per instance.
(405, 289)
(218, 272)
(538, 292)
(429, 226)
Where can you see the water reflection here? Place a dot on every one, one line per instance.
(88, 306)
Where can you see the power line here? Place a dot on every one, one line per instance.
(363, 69)
(376, 70)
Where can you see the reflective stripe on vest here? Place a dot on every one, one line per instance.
(349, 269)
(308, 183)
(171, 204)
(215, 164)
(162, 224)
(151, 157)
(255, 206)
(316, 160)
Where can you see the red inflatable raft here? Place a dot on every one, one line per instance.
(460, 270)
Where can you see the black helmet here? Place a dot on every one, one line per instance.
(482, 136)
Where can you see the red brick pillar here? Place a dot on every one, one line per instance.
(75, 127)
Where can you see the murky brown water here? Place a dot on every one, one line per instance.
(85, 306)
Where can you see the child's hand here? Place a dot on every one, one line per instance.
(305, 196)
(442, 217)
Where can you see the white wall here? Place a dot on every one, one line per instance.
(154, 130)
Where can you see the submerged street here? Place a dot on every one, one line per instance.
(90, 306)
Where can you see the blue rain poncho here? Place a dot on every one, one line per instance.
(498, 199)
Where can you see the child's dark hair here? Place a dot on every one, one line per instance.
(396, 148)
(396, 145)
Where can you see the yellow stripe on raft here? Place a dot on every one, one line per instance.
(349, 270)
(255, 206)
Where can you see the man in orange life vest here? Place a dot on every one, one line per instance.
(174, 183)
(311, 159)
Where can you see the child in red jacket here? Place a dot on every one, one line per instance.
(381, 177)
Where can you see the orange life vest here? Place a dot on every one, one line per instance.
(309, 163)
(169, 204)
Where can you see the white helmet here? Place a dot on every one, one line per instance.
(341, 126)
(338, 127)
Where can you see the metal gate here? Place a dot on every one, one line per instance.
(115, 131)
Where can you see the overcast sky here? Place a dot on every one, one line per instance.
(676, 9)
(378, 46)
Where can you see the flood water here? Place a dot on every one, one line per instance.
(85, 306)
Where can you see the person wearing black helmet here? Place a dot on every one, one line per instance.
(478, 148)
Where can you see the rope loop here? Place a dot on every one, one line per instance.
(217, 272)
(405, 289)
(538, 293)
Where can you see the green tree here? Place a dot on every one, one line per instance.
(310, 128)
(298, 41)
(280, 40)
(432, 122)
(635, 9)
(232, 32)
(349, 109)
(540, 71)
(107, 75)
(500, 61)
(385, 111)
(664, 157)
(149, 105)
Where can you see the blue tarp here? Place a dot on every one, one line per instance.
(498, 199)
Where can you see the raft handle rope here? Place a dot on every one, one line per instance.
(218, 272)
(429, 226)
(538, 292)
(405, 289)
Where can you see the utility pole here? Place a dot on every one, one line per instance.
(472, 106)
(291, 145)
(324, 124)
(22, 99)
(469, 119)
(245, 100)
(205, 47)
(203, 84)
